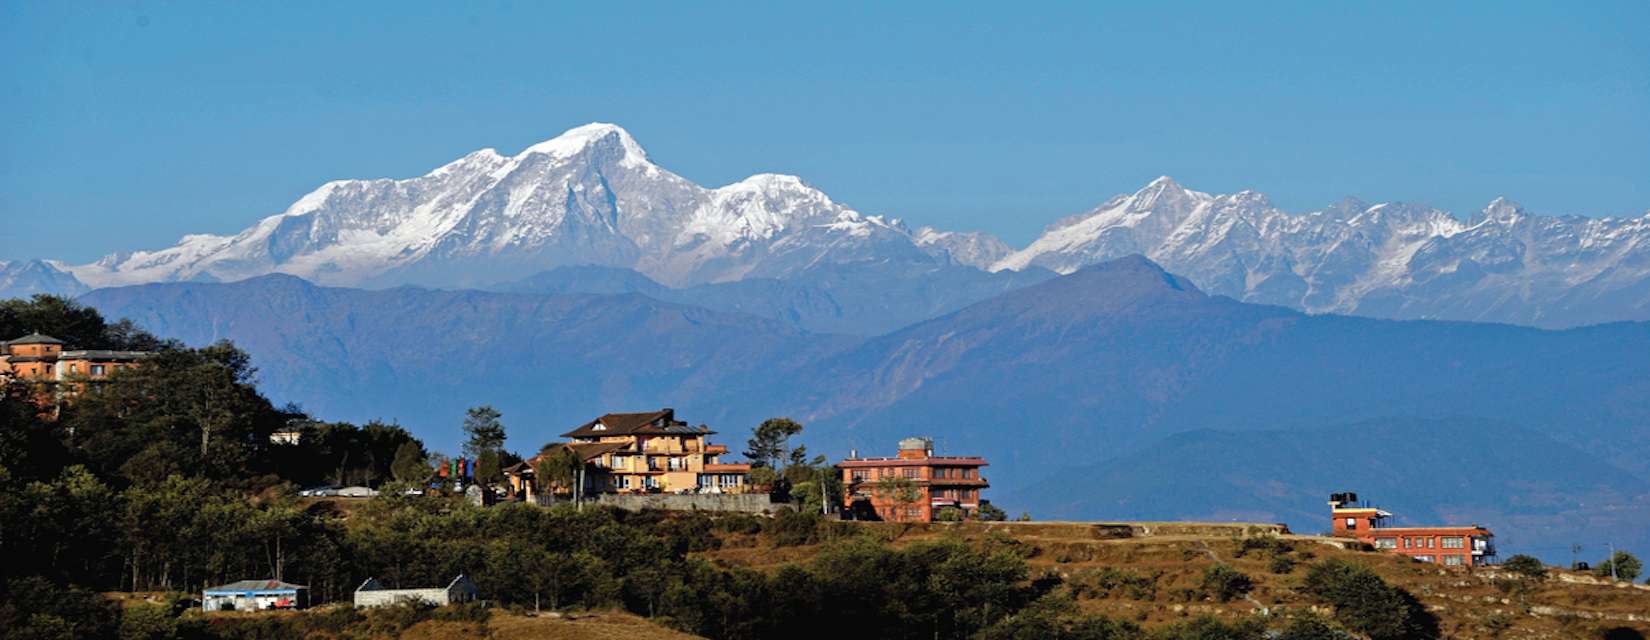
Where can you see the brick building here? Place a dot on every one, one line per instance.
(1452, 546)
(56, 372)
(940, 481)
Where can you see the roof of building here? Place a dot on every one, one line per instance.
(1442, 529)
(586, 451)
(661, 422)
(241, 586)
(100, 354)
(966, 461)
(35, 338)
(372, 584)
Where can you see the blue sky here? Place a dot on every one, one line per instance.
(124, 126)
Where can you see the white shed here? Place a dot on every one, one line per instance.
(373, 593)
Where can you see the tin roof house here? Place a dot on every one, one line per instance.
(255, 595)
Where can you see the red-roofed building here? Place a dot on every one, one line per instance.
(940, 481)
(1451, 546)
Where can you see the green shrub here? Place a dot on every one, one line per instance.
(1224, 583)
(790, 528)
(1268, 543)
(1527, 566)
(1366, 604)
(1625, 565)
(1281, 564)
(989, 512)
(948, 514)
(1210, 628)
(739, 523)
(1311, 627)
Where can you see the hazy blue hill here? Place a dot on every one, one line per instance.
(1098, 366)
(1112, 358)
(865, 299)
(1536, 493)
(421, 356)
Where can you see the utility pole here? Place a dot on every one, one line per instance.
(1575, 556)
(1612, 560)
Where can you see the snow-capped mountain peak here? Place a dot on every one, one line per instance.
(587, 196)
(1387, 259)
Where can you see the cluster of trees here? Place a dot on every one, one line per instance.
(164, 476)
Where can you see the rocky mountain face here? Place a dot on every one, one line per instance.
(1390, 260)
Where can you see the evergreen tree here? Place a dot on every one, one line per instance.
(483, 431)
(410, 463)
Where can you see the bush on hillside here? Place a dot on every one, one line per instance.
(1225, 584)
(791, 528)
(1365, 603)
(1625, 565)
(1527, 566)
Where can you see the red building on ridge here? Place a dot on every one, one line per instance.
(1449, 546)
(940, 481)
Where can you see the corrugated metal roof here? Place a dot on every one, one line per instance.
(241, 586)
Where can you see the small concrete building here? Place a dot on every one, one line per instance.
(372, 593)
(255, 595)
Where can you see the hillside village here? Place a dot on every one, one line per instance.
(771, 510)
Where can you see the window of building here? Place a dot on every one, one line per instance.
(97, 369)
(1351, 523)
(910, 472)
(1386, 543)
(1453, 542)
(1454, 561)
(859, 475)
(1408, 542)
(1431, 542)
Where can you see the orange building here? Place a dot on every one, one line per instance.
(939, 482)
(37, 358)
(1449, 546)
(649, 452)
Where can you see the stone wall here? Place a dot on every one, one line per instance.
(743, 502)
(387, 597)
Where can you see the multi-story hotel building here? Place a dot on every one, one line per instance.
(1454, 546)
(939, 482)
(642, 453)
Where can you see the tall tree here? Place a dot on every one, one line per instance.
(770, 441)
(410, 464)
(483, 431)
(558, 468)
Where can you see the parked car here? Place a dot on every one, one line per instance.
(320, 492)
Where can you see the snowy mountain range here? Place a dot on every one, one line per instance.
(591, 196)
(588, 196)
(1392, 260)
